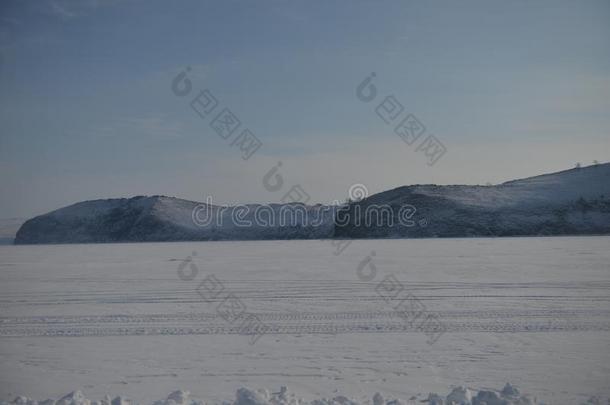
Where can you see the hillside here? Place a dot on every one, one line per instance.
(161, 218)
(575, 201)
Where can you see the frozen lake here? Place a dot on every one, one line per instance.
(118, 319)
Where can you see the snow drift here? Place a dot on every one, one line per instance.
(509, 395)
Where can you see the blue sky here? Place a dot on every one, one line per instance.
(86, 109)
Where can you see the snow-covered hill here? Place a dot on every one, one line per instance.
(575, 201)
(161, 218)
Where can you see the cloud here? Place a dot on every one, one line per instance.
(61, 10)
(151, 125)
(70, 9)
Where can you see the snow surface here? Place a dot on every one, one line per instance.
(116, 319)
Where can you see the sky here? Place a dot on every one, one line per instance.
(88, 111)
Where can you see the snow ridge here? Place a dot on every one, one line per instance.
(460, 395)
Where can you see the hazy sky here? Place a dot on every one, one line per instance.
(511, 88)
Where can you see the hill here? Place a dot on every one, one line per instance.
(569, 202)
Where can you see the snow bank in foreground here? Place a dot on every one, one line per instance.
(509, 395)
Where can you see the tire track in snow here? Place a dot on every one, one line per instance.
(498, 321)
